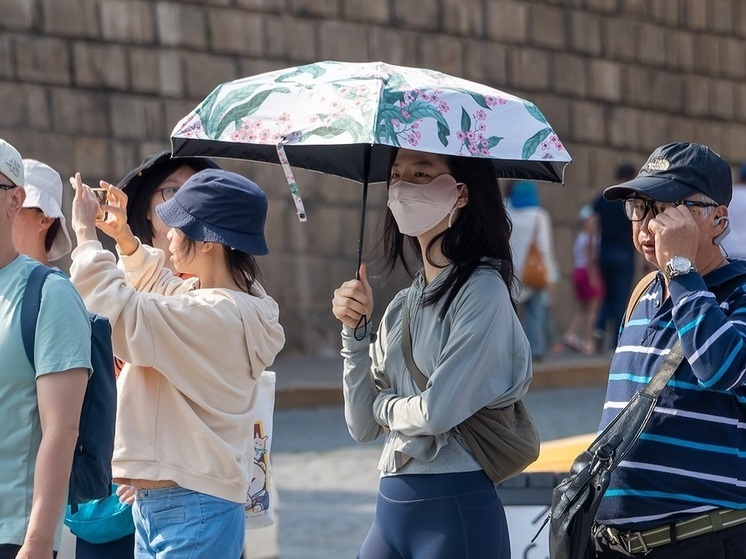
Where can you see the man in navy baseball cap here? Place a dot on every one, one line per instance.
(676, 171)
(667, 498)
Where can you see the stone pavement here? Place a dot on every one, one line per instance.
(312, 381)
(327, 482)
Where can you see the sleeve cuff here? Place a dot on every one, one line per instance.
(87, 246)
(134, 260)
(356, 339)
(681, 286)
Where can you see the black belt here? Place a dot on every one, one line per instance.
(642, 542)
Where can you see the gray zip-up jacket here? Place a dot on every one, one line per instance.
(476, 356)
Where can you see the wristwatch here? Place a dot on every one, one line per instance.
(678, 266)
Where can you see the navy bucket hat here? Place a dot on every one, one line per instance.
(219, 206)
(675, 171)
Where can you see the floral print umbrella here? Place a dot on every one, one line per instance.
(345, 118)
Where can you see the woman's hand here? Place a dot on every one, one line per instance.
(87, 212)
(353, 299)
(126, 494)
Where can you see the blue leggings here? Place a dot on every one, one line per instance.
(437, 516)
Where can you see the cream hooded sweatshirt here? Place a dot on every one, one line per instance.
(193, 359)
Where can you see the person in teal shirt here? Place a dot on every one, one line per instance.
(39, 403)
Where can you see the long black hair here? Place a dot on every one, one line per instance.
(482, 231)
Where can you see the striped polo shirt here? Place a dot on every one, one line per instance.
(691, 457)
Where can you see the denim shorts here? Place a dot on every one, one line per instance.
(177, 523)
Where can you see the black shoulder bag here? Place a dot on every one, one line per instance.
(577, 498)
(504, 441)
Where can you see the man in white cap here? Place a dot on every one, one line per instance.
(39, 229)
(40, 402)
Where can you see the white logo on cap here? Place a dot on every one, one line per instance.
(658, 165)
(13, 166)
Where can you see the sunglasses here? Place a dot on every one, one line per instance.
(8, 186)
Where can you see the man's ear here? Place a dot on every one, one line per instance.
(18, 195)
(722, 222)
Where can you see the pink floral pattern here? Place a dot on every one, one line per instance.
(331, 103)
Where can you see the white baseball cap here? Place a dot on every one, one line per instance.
(10, 163)
(44, 191)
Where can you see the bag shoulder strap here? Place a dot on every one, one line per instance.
(665, 371)
(637, 292)
(406, 339)
(30, 307)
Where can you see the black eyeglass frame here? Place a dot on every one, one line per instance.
(8, 186)
(161, 191)
(650, 206)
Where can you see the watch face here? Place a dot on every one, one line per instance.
(680, 264)
(677, 266)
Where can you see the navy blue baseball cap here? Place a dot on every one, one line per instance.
(219, 206)
(676, 171)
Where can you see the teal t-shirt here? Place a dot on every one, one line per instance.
(63, 342)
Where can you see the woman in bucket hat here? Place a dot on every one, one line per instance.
(153, 182)
(194, 350)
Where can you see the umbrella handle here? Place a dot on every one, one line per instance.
(363, 204)
(363, 322)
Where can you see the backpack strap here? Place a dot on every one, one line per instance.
(30, 307)
(637, 292)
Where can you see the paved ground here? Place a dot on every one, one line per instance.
(327, 482)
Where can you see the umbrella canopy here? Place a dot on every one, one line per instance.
(330, 115)
(345, 119)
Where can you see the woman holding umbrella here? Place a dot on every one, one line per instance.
(465, 337)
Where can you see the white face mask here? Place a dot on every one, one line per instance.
(417, 208)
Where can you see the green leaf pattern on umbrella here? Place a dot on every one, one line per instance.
(376, 104)
(400, 114)
(337, 127)
(237, 114)
(534, 111)
(533, 143)
(315, 70)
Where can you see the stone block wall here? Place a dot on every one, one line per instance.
(95, 85)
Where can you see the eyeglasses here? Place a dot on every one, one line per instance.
(168, 193)
(8, 186)
(637, 208)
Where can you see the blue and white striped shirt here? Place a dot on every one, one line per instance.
(691, 456)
